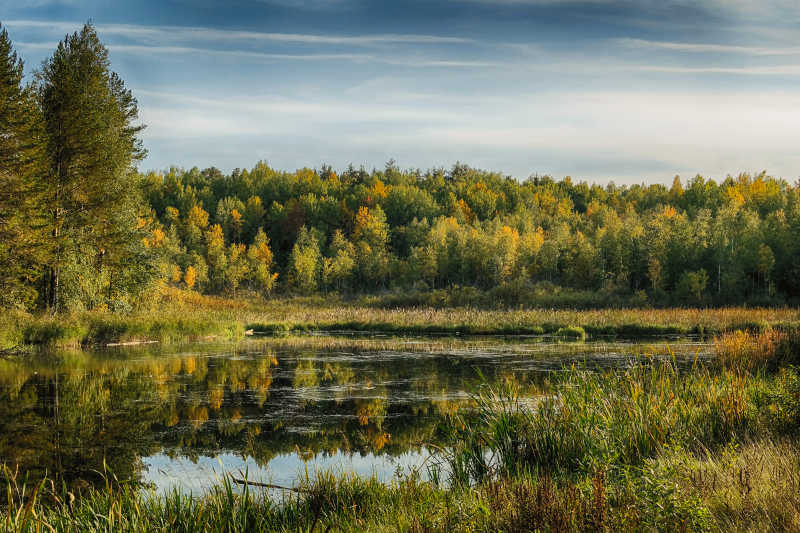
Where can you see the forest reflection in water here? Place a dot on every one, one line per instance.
(181, 416)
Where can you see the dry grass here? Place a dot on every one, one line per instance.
(327, 314)
(753, 488)
(180, 316)
(620, 321)
(749, 351)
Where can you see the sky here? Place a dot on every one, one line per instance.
(599, 90)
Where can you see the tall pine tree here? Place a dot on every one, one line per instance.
(92, 185)
(22, 245)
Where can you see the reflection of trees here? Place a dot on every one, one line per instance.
(70, 424)
(69, 414)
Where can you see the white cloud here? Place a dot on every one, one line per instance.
(293, 114)
(241, 54)
(412, 61)
(776, 70)
(562, 132)
(171, 34)
(710, 48)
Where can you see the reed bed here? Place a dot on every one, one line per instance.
(752, 350)
(180, 316)
(629, 322)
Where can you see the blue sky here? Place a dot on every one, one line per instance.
(621, 90)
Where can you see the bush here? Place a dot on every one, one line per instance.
(571, 332)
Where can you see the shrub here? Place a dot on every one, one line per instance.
(571, 332)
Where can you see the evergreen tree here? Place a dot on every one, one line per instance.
(22, 242)
(93, 145)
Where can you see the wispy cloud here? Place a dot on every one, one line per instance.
(411, 61)
(555, 64)
(318, 109)
(777, 70)
(164, 34)
(241, 54)
(709, 47)
(188, 50)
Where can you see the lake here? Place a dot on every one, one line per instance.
(184, 416)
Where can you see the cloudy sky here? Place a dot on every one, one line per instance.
(623, 90)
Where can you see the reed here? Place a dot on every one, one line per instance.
(768, 349)
(179, 316)
(588, 419)
(352, 504)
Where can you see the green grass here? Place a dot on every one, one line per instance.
(352, 504)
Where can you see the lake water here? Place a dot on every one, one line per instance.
(184, 416)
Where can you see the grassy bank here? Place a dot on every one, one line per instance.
(657, 447)
(178, 316)
(728, 491)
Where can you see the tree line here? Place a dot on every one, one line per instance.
(356, 231)
(82, 228)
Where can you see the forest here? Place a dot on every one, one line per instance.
(82, 228)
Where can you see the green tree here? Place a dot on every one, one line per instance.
(371, 237)
(93, 145)
(305, 263)
(238, 267)
(196, 223)
(22, 238)
(339, 267)
(216, 257)
(259, 257)
(230, 215)
(404, 203)
(692, 285)
(253, 218)
(766, 262)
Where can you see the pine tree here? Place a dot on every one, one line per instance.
(21, 163)
(93, 145)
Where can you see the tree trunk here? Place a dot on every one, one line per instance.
(54, 286)
(55, 268)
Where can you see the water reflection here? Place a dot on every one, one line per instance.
(183, 418)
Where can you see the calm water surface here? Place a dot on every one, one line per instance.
(183, 417)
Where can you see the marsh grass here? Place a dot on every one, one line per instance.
(348, 503)
(748, 350)
(588, 419)
(180, 316)
(571, 332)
(750, 487)
(465, 320)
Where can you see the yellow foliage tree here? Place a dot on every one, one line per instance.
(190, 277)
